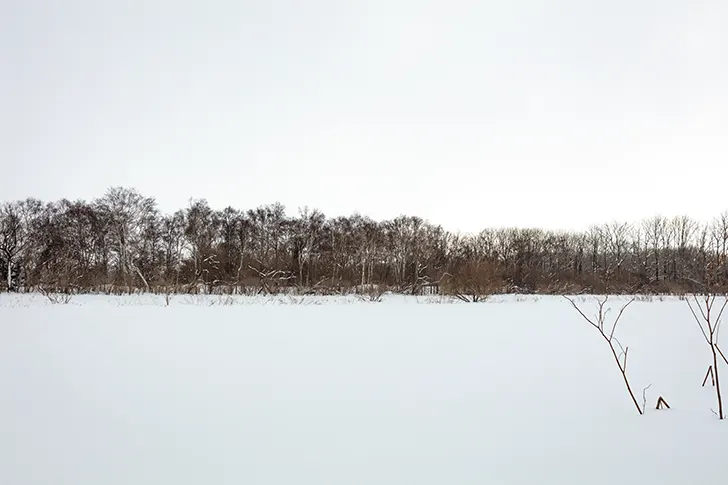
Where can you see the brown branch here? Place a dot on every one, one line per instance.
(616, 321)
(626, 381)
(610, 339)
(707, 301)
(700, 324)
(720, 352)
(573, 303)
(720, 315)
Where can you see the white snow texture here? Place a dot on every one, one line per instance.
(516, 390)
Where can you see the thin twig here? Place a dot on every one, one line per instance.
(700, 324)
(720, 352)
(644, 397)
(697, 303)
(581, 312)
(720, 314)
(621, 348)
(616, 321)
(610, 339)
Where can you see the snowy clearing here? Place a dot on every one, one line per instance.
(321, 390)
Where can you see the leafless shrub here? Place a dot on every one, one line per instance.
(293, 299)
(249, 290)
(206, 300)
(471, 298)
(708, 317)
(436, 299)
(371, 293)
(644, 397)
(168, 293)
(607, 332)
(56, 298)
(299, 300)
(224, 300)
(474, 282)
(271, 281)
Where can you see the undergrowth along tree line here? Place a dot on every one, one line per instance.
(121, 242)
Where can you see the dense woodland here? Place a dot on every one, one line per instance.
(122, 243)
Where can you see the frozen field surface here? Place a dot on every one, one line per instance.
(125, 390)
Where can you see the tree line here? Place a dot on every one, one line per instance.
(121, 242)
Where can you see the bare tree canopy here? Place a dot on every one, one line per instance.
(121, 242)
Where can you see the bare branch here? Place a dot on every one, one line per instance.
(621, 348)
(718, 319)
(611, 340)
(700, 324)
(616, 321)
(720, 352)
(697, 303)
(644, 397)
(573, 303)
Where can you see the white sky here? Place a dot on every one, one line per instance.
(548, 113)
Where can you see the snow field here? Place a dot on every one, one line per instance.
(122, 390)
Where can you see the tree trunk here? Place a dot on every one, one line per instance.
(717, 381)
(144, 280)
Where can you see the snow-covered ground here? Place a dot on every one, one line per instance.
(274, 390)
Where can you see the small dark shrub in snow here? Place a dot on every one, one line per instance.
(372, 293)
(57, 298)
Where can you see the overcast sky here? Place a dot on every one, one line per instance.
(548, 113)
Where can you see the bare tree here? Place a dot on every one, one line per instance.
(617, 238)
(15, 234)
(708, 317)
(684, 229)
(367, 240)
(307, 240)
(719, 235)
(121, 240)
(473, 281)
(654, 230)
(173, 231)
(619, 352)
(201, 233)
(127, 213)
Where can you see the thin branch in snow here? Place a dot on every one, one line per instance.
(644, 396)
